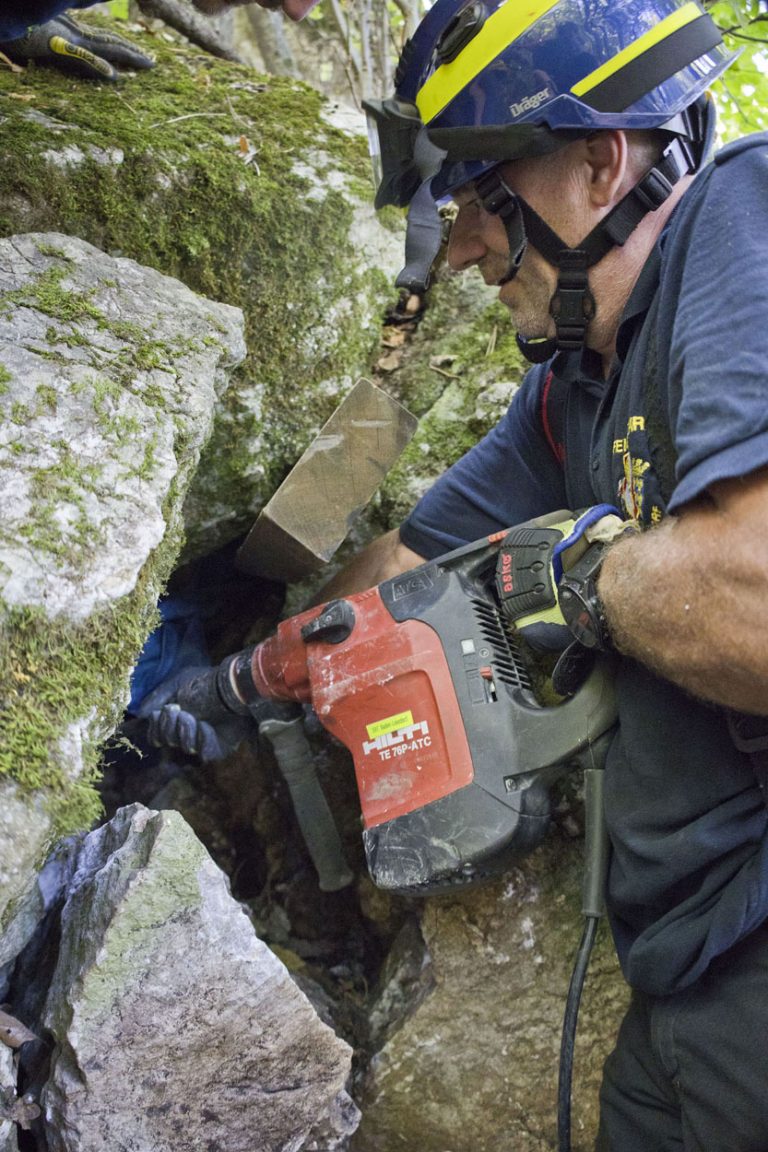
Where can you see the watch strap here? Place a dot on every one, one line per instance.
(580, 603)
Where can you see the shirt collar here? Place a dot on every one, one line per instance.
(583, 368)
(639, 302)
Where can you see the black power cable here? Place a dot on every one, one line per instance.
(569, 1033)
(596, 855)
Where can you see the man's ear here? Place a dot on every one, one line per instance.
(607, 155)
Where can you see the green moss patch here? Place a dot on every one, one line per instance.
(196, 169)
(61, 521)
(63, 683)
(449, 377)
(53, 676)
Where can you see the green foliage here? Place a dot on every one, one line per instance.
(742, 94)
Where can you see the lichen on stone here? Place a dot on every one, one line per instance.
(459, 376)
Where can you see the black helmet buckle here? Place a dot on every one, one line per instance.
(573, 305)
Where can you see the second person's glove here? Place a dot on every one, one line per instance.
(169, 725)
(77, 48)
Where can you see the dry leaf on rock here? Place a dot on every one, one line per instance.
(441, 364)
(390, 362)
(21, 1112)
(247, 152)
(393, 337)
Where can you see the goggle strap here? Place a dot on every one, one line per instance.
(423, 238)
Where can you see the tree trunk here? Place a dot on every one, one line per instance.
(215, 34)
(269, 32)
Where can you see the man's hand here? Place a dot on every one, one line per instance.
(533, 560)
(79, 49)
(294, 9)
(688, 598)
(170, 726)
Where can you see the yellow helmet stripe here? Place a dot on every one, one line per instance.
(661, 31)
(499, 31)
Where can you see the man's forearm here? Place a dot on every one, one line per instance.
(688, 599)
(380, 560)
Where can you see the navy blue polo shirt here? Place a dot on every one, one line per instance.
(686, 404)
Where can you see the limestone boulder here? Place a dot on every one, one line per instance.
(110, 374)
(8, 1098)
(174, 1026)
(469, 1016)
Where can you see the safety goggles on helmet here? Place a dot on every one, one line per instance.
(401, 153)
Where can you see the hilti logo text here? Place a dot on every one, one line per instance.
(506, 574)
(528, 103)
(409, 739)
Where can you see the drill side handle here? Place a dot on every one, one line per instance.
(229, 690)
(313, 814)
(597, 848)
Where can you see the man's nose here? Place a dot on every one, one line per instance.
(474, 235)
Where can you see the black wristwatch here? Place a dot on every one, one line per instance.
(580, 604)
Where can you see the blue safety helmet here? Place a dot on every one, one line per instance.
(495, 80)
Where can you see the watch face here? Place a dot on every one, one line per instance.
(580, 607)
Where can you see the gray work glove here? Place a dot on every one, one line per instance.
(76, 48)
(169, 726)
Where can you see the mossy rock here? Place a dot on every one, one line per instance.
(111, 374)
(246, 189)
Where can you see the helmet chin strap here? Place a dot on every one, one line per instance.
(572, 306)
(499, 200)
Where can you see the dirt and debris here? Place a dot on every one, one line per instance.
(21, 1110)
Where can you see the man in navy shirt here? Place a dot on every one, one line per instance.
(574, 139)
(637, 278)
